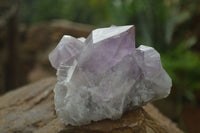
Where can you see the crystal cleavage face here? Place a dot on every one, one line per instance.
(104, 75)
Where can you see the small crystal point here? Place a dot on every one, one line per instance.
(105, 75)
(68, 48)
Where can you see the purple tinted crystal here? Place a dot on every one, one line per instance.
(105, 77)
(106, 47)
(68, 48)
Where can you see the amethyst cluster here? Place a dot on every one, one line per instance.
(104, 75)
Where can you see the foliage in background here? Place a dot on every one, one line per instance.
(183, 67)
(163, 24)
(155, 20)
(84, 11)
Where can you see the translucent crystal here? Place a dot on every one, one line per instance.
(105, 76)
(68, 48)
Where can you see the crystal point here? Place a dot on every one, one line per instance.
(68, 48)
(106, 47)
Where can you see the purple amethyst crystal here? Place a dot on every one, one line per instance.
(105, 75)
(68, 48)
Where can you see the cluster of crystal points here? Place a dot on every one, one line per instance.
(105, 75)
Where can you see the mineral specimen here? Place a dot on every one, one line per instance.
(105, 75)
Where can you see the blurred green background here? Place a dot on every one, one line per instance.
(172, 27)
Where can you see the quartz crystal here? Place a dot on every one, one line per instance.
(103, 76)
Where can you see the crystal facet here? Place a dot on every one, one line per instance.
(105, 75)
(68, 48)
